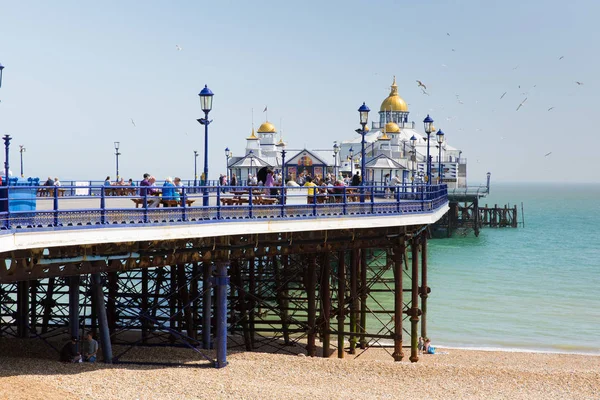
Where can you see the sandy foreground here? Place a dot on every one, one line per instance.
(28, 370)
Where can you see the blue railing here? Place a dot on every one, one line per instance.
(108, 206)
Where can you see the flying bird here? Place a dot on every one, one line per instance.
(178, 47)
(132, 122)
(521, 104)
(424, 92)
(547, 154)
(579, 83)
(515, 67)
(453, 50)
(447, 34)
(551, 108)
(460, 102)
(561, 57)
(503, 94)
(421, 84)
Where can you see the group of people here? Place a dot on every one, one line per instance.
(52, 182)
(171, 189)
(70, 351)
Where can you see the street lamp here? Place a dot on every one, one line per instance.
(228, 155)
(336, 150)
(428, 122)
(351, 153)
(363, 111)
(195, 169)
(22, 150)
(251, 154)
(1, 68)
(206, 99)
(283, 175)
(117, 154)
(440, 140)
(7, 140)
(413, 143)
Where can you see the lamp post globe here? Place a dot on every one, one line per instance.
(363, 112)
(428, 122)
(206, 100)
(440, 139)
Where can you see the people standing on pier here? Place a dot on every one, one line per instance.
(387, 183)
(90, 348)
(270, 183)
(233, 181)
(355, 179)
(311, 189)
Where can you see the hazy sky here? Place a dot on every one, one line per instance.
(78, 71)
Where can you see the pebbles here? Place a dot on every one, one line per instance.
(459, 374)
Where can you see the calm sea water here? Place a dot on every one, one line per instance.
(532, 288)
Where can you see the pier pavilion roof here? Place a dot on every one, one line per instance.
(267, 127)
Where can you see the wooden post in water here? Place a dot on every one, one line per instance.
(398, 301)
(341, 301)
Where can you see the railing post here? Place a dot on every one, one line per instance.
(282, 199)
(373, 199)
(183, 204)
(146, 206)
(250, 202)
(314, 201)
(344, 203)
(102, 205)
(398, 199)
(55, 205)
(222, 282)
(219, 204)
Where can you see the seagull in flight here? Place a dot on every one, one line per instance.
(515, 67)
(579, 83)
(424, 92)
(178, 47)
(132, 122)
(561, 57)
(421, 84)
(521, 104)
(547, 154)
(551, 108)
(460, 102)
(503, 94)
(447, 34)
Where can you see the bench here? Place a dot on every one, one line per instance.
(49, 192)
(165, 203)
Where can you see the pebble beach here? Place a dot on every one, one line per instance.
(450, 374)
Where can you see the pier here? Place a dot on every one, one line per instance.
(229, 275)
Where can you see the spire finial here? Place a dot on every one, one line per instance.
(394, 88)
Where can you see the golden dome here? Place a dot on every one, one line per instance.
(392, 127)
(394, 102)
(280, 143)
(384, 137)
(267, 127)
(252, 136)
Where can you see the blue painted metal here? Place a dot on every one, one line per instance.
(1, 68)
(409, 199)
(206, 103)
(364, 115)
(206, 305)
(221, 282)
(102, 319)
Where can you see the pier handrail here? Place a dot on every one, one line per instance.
(226, 204)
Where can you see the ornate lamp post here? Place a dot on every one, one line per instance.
(117, 154)
(413, 161)
(195, 169)
(336, 150)
(440, 140)
(363, 111)
(251, 154)
(206, 99)
(428, 122)
(283, 175)
(7, 140)
(228, 155)
(22, 150)
(351, 153)
(1, 68)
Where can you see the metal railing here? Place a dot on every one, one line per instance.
(184, 204)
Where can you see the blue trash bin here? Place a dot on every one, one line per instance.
(22, 198)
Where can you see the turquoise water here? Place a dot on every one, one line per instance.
(532, 288)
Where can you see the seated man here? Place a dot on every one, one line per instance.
(147, 189)
(168, 190)
(90, 348)
(69, 352)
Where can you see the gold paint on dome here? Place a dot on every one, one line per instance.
(267, 127)
(280, 143)
(252, 136)
(394, 102)
(384, 137)
(392, 127)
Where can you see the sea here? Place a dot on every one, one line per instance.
(531, 288)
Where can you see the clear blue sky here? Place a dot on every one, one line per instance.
(76, 72)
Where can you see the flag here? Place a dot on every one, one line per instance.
(265, 110)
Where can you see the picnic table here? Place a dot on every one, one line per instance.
(243, 196)
(165, 203)
(49, 192)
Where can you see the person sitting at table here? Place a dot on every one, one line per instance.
(356, 179)
(168, 191)
(147, 189)
(270, 183)
(178, 186)
(57, 182)
(311, 189)
(107, 181)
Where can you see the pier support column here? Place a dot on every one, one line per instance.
(144, 306)
(104, 332)
(326, 303)
(341, 301)
(22, 309)
(363, 298)
(280, 273)
(311, 279)
(398, 301)
(221, 282)
(74, 306)
(424, 291)
(353, 298)
(206, 304)
(414, 311)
